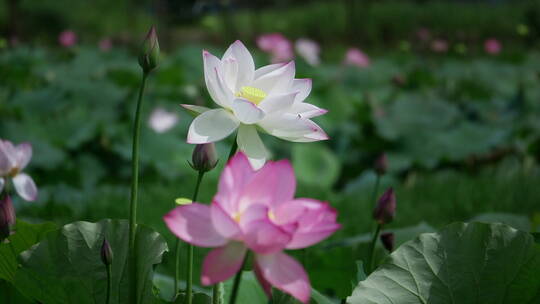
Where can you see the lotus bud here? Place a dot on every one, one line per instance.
(204, 157)
(381, 164)
(385, 211)
(7, 217)
(149, 55)
(387, 239)
(106, 253)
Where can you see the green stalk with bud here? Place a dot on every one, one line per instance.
(148, 60)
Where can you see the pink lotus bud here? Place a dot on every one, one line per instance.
(385, 211)
(387, 239)
(204, 157)
(149, 55)
(439, 46)
(7, 217)
(67, 38)
(357, 58)
(107, 255)
(381, 164)
(492, 46)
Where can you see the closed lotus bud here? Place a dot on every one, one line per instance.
(106, 253)
(149, 55)
(381, 164)
(7, 217)
(387, 239)
(385, 211)
(204, 157)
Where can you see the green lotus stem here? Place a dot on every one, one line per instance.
(189, 276)
(237, 279)
(134, 192)
(234, 147)
(371, 250)
(109, 283)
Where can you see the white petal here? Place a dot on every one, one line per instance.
(268, 69)
(23, 154)
(250, 142)
(245, 64)
(8, 159)
(2, 182)
(277, 102)
(293, 128)
(277, 81)
(246, 111)
(211, 126)
(194, 110)
(214, 82)
(303, 87)
(230, 72)
(306, 110)
(25, 186)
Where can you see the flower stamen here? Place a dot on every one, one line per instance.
(252, 94)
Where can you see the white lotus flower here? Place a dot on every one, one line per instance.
(267, 99)
(13, 159)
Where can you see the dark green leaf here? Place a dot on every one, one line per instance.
(66, 266)
(464, 263)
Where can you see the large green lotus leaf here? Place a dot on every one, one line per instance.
(464, 263)
(315, 164)
(24, 237)
(517, 221)
(66, 266)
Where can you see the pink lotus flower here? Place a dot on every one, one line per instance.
(492, 46)
(309, 50)
(255, 210)
(13, 159)
(277, 45)
(439, 45)
(67, 38)
(357, 58)
(105, 44)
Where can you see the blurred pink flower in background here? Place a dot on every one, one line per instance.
(257, 211)
(357, 58)
(276, 45)
(423, 33)
(309, 50)
(13, 159)
(439, 45)
(67, 38)
(105, 44)
(492, 46)
(161, 120)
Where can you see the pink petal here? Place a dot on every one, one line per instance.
(317, 222)
(264, 237)
(192, 223)
(275, 183)
(236, 174)
(25, 187)
(223, 223)
(286, 274)
(222, 263)
(266, 286)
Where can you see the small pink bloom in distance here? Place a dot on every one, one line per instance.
(492, 46)
(67, 38)
(279, 47)
(357, 58)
